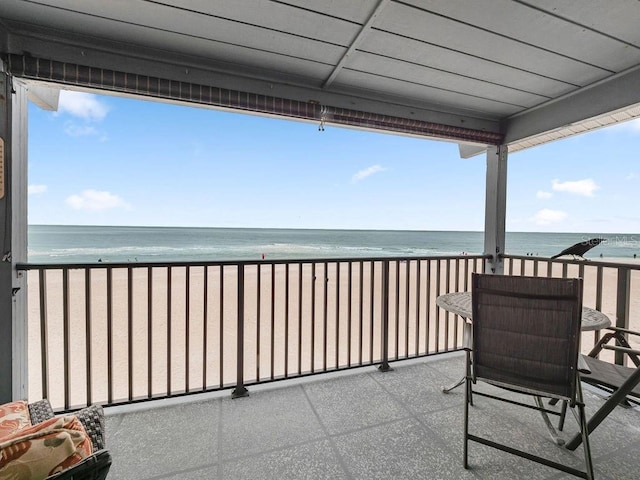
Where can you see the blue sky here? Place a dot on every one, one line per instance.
(106, 160)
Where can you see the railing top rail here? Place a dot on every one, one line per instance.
(108, 265)
(590, 263)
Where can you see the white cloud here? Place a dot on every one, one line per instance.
(584, 187)
(548, 217)
(75, 130)
(94, 200)
(631, 176)
(543, 195)
(367, 172)
(83, 105)
(36, 189)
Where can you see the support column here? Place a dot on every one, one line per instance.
(6, 315)
(495, 208)
(19, 188)
(13, 238)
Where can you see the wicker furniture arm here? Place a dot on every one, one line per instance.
(94, 467)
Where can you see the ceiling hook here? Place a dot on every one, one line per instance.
(323, 117)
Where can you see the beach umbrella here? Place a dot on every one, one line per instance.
(579, 249)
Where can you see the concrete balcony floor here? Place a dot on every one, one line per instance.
(359, 424)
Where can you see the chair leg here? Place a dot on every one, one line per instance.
(563, 415)
(584, 430)
(467, 401)
(608, 406)
(552, 431)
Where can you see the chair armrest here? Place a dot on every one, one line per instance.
(617, 348)
(582, 365)
(94, 467)
(622, 330)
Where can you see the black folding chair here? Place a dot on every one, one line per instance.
(623, 382)
(526, 335)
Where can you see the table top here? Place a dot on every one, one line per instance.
(460, 304)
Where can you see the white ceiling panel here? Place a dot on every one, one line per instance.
(421, 93)
(429, 77)
(282, 18)
(156, 28)
(414, 51)
(357, 11)
(536, 27)
(415, 23)
(615, 18)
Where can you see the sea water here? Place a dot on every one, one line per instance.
(89, 244)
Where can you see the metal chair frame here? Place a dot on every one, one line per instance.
(494, 298)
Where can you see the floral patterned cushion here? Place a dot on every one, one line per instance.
(14, 416)
(44, 449)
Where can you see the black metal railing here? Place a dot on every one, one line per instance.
(120, 333)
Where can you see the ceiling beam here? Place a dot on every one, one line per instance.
(613, 93)
(356, 42)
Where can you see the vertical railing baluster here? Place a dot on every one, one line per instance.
(406, 309)
(427, 323)
(240, 390)
(44, 333)
(397, 304)
(360, 312)
(258, 305)
(273, 319)
(456, 318)
(349, 309)
(88, 334)
(599, 275)
(130, 331)
(337, 315)
(286, 321)
(66, 340)
(169, 321)
(187, 326)
(384, 366)
(205, 324)
(325, 313)
(300, 318)
(149, 332)
(109, 335)
(313, 317)
(437, 319)
(418, 297)
(372, 306)
(623, 300)
(221, 325)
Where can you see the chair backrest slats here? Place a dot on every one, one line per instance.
(526, 332)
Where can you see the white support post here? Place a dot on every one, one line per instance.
(495, 208)
(19, 237)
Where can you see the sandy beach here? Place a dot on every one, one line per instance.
(184, 338)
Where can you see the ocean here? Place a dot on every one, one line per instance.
(90, 244)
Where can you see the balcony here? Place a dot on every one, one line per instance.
(357, 424)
